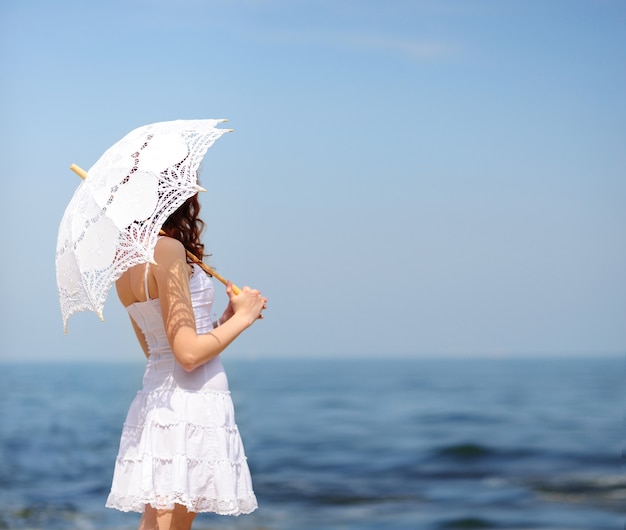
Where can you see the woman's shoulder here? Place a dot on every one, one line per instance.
(168, 244)
(168, 250)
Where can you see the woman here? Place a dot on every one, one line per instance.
(180, 451)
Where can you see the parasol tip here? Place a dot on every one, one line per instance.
(222, 120)
(101, 316)
(229, 130)
(199, 188)
(79, 171)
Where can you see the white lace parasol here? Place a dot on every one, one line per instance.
(113, 220)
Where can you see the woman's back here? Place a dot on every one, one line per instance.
(162, 369)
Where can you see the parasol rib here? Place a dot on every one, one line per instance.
(83, 175)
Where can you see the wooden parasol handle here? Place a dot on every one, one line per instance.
(79, 171)
(83, 175)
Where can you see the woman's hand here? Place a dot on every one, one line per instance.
(228, 312)
(249, 303)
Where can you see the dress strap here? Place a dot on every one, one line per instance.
(145, 279)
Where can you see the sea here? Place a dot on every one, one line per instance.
(359, 444)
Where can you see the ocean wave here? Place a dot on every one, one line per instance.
(606, 491)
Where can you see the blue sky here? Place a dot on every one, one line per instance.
(407, 178)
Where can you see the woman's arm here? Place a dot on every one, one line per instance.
(190, 348)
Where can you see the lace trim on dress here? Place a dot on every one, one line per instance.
(170, 459)
(197, 505)
(186, 424)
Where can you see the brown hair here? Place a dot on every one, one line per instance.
(185, 225)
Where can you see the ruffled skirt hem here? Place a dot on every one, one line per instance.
(198, 505)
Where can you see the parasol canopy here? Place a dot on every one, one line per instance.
(114, 218)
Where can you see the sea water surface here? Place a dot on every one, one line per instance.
(343, 444)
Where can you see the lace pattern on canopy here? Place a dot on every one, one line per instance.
(113, 220)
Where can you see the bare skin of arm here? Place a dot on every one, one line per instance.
(170, 281)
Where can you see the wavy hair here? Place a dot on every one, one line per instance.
(185, 225)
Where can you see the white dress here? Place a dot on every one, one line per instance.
(180, 443)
